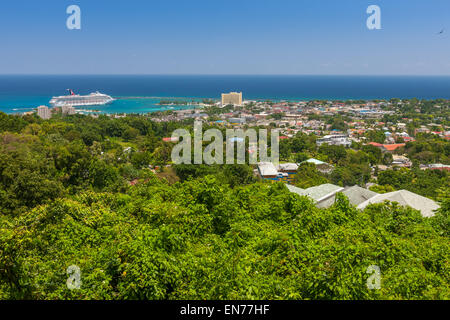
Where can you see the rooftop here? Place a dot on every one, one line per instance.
(288, 166)
(357, 195)
(323, 191)
(318, 193)
(405, 198)
(392, 147)
(294, 189)
(267, 169)
(315, 161)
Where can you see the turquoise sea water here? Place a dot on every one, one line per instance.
(141, 105)
(19, 93)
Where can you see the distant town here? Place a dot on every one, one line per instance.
(356, 120)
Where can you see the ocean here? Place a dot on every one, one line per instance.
(142, 93)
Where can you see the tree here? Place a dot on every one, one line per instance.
(388, 158)
(130, 134)
(140, 159)
(376, 136)
(102, 175)
(339, 124)
(308, 176)
(374, 153)
(238, 174)
(301, 157)
(333, 152)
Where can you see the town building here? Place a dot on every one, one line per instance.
(234, 98)
(435, 166)
(335, 139)
(68, 110)
(236, 120)
(401, 161)
(288, 168)
(268, 171)
(321, 166)
(44, 112)
(405, 198)
(392, 147)
(322, 195)
(357, 195)
(387, 147)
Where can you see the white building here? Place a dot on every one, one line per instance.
(267, 171)
(44, 112)
(335, 139)
(68, 110)
(426, 206)
(234, 98)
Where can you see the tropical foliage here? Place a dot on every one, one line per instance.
(79, 192)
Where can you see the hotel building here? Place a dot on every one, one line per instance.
(234, 98)
(44, 112)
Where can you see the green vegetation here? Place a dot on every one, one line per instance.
(308, 176)
(424, 182)
(376, 136)
(428, 148)
(203, 240)
(79, 191)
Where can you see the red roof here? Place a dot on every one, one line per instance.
(393, 147)
(170, 139)
(442, 168)
(376, 144)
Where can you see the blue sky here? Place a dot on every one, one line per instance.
(225, 37)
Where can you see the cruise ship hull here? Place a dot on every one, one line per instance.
(94, 99)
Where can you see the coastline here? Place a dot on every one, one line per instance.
(142, 93)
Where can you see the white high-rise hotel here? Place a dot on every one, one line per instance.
(234, 98)
(44, 112)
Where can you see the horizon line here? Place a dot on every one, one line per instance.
(224, 74)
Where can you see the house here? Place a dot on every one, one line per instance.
(321, 195)
(392, 147)
(288, 168)
(401, 161)
(387, 147)
(436, 166)
(357, 195)
(321, 166)
(127, 150)
(171, 139)
(376, 144)
(283, 177)
(314, 161)
(285, 172)
(236, 120)
(268, 171)
(335, 139)
(405, 198)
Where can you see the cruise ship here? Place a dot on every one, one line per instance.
(75, 100)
